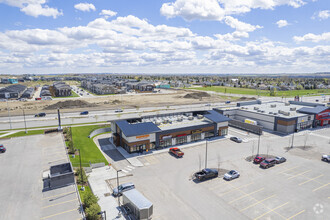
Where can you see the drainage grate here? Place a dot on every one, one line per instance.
(106, 194)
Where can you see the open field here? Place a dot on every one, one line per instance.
(111, 102)
(244, 91)
(89, 151)
(41, 83)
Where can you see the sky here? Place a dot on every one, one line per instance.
(164, 36)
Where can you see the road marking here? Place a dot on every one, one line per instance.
(296, 215)
(311, 180)
(220, 185)
(59, 214)
(257, 203)
(271, 210)
(299, 174)
(62, 194)
(288, 169)
(246, 195)
(125, 171)
(59, 203)
(321, 187)
(235, 189)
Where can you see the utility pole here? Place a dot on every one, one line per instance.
(118, 191)
(292, 139)
(259, 141)
(9, 114)
(206, 154)
(81, 172)
(24, 121)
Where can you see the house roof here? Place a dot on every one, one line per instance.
(137, 129)
(315, 110)
(216, 116)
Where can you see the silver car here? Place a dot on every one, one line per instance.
(280, 160)
(231, 175)
(122, 188)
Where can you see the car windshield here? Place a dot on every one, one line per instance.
(120, 187)
(231, 172)
(277, 158)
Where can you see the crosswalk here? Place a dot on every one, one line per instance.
(128, 169)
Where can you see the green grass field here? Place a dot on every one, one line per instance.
(244, 91)
(22, 133)
(82, 193)
(88, 149)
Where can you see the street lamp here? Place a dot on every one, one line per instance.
(24, 121)
(103, 212)
(259, 141)
(118, 189)
(206, 154)
(292, 139)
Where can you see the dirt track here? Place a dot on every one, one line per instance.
(110, 102)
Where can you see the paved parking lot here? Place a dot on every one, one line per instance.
(22, 194)
(296, 189)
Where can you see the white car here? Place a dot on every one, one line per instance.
(231, 175)
(118, 110)
(326, 158)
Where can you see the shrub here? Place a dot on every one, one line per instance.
(91, 212)
(71, 148)
(82, 177)
(89, 199)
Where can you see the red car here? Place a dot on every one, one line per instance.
(258, 159)
(2, 149)
(176, 152)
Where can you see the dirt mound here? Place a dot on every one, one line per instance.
(116, 102)
(196, 95)
(70, 104)
(246, 98)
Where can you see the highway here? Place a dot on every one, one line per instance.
(17, 122)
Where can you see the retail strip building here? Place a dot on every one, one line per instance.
(159, 131)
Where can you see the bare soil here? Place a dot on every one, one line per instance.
(179, 97)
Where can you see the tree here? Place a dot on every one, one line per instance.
(89, 199)
(82, 177)
(71, 148)
(92, 212)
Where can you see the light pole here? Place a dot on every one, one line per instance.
(206, 154)
(292, 139)
(105, 214)
(259, 141)
(24, 121)
(118, 189)
(81, 173)
(9, 114)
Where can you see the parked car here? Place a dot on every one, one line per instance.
(231, 175)
(42, 114)
(236, 139)
(176, 152)
(2, 149)
(118, 110)
(258, 159)
(326, 158)
(227, 102)
(38, 98)
(206, 173)
(208, 104)
(122, 188)
(84, 113)
(280, 160)
(268, 163)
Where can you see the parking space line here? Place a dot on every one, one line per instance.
(311, 179)
(271, 210)
(220, 185)
(246, 195)
(235, 189)
(321, 187)
(257, 203)
(62, 194)
(299, 174)
(59, 203)
(288, 169)
(58, 214)
(295, 215)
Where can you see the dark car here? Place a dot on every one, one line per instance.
(268, 163)
(206, 173)
(280, 160)
(42, 114)
(236, 139)
(2, 149)
(227, 102)
(258, 159)
(122, 188)
(84, 113)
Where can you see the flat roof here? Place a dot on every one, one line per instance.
(137, 128)
(137, 198)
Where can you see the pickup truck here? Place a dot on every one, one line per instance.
(176, 152)
(206, 173)
(326, 158)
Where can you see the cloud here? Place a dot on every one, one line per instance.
(108, 13)
(239, 25)
(322, 15)
(313, 37)
(34, 8)
(85, 7)
(282, 23)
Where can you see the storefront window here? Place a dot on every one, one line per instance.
(196, 137)
(209, 134)
(166, 142)
(181, 140)
(223, 132)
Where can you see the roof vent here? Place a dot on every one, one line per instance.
(191, 118)
(262, 111)
(287, 104)
(270, 113)
(256, 108)
(293, 109)
(200, 116)
(273, 106)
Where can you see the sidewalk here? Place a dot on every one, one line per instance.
(97, 181)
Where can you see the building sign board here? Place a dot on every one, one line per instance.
(196, 131)
(167, 137)
(142, 136)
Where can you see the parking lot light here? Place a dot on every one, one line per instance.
(103, 212)
(118, 189)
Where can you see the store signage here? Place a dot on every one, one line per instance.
(167, 137)
(196, 131)
(180, 135)
(324, 114)
(142, 136)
